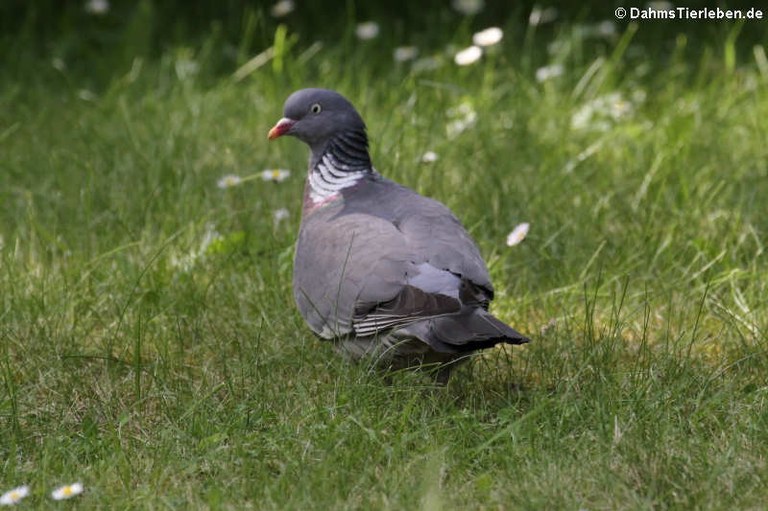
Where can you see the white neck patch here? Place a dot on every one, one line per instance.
(329, 177)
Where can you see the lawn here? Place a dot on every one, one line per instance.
(150, 347)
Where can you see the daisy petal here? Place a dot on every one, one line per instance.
(282, 8)
(67, 491)
(468, 56)
(97, 7)
(548, 72)
(14, 496)
(488, 37)
(280, 214)
(276, 175)
(367, 30)
(468, 7)
(518, 234)
(429, 157)
(541, 16)
(229, 181)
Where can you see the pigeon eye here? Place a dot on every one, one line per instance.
(316, 108)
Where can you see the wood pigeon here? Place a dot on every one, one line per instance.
(379, 269)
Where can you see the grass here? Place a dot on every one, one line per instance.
(150, 348)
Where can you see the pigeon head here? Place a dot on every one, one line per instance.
(316, 116)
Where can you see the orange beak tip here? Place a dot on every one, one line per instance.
(281, 128)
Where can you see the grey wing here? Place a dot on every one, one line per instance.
(377, 270)
(430, 230)
(440, 239)
(340, 261)
(426, 292)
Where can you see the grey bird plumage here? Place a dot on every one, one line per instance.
(379, 269)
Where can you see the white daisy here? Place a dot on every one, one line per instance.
(618, 107)
(548, 72)
(540, 16)
(367, 30)
(405, 53)
(488, 37)
(59, 64)
(280, 214)
(97, 7)
(468, 56)
(14, 496)
(86, 95)
(601, 113)
(429, 157)
(518, 234)
(229, 181)
(67, 491)
(468, 7)
(282, 8)
(276, 175)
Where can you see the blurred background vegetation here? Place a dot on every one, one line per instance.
(99, 39)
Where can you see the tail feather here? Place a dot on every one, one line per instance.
(456, 333)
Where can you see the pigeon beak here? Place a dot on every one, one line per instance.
(281, 128)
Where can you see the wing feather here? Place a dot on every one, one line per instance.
(382, 258)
